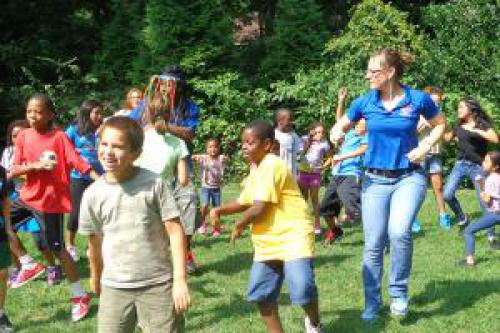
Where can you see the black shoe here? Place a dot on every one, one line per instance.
(5, 324)
(494, 244)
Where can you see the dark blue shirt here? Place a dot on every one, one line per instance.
(391, 134)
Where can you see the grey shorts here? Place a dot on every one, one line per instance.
(187, 200)
(152, 307)
(342, 191)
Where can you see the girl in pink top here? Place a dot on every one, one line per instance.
(490, 195)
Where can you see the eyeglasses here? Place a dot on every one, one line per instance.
(373, 71)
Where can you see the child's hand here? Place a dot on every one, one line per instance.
(180, 293)
(485, 197)
(237, 231)
(214, 216)
(43, 165)
(342, 94)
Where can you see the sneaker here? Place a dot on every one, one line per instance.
(216, 233)
(72, 252)
(203, 229)
(13, 277)
(53, 275)
(463, 222)
(317, 229)
(399, 307)
(5, 324)
(26, 275)
(416, 226)
(313, 329)
(494, 244)
(80, 307)
(190, 264)
(445, 221)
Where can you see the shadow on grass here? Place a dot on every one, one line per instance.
(230, 264)
(454, 296)
(237, 307)
(350, 321)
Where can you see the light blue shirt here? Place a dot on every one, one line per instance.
(351, 166)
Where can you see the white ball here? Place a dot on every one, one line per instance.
(48, 155)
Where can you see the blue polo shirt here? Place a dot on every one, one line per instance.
(351, 166)
(391, 134)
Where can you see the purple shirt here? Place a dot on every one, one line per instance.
(492, 188)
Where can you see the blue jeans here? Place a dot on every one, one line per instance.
(389, 206)
(486, 221)
(461, 169)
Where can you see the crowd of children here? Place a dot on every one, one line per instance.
(127, 184)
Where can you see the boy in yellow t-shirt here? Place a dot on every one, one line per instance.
(282, 231)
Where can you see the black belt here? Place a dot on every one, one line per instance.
(393, 173)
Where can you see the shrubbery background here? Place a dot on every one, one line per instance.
(305, 51)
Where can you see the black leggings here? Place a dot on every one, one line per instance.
(77, 187)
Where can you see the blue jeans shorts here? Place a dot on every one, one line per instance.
(209, 196)
(433, 164)
(267, 277)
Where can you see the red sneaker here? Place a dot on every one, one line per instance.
(26, 275)
(191, 266)
(80, 307)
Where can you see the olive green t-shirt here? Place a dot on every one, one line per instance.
(131, 217)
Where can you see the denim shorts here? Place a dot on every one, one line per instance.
(267, 277)
(209, 196)
(433, 164)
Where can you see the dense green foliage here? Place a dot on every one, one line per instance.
(303, 52)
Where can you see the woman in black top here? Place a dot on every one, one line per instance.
(473, 133)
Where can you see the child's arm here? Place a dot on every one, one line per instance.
(182, 172)
(229, 208)
(180, 291)
(249, 216)
(95, 262)
(355, 153)
(342, 96)
(197, 157)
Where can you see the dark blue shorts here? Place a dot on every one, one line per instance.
(210, 196)
(266, 279)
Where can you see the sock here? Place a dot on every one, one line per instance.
(77, 290)
(27, 262)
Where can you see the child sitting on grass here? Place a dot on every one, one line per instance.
(131, 214)
(211, 167)
(490, 195)
(282, 231)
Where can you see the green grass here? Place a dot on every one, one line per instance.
(444, 298)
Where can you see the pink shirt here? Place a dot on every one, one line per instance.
(212, 171)
(492, 187)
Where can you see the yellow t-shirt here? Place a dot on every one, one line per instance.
(285, 231)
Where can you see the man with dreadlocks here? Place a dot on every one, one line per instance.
(183, 121)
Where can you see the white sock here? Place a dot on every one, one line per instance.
(77, 290)
(27, 261)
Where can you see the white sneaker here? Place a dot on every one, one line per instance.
(72, 252)
(313, 329)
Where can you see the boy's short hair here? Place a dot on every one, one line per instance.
(433, 90)
(216, 140)
(262, 129)
(129, 127)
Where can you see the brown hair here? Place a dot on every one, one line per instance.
(156, 107)
(130, 128)
(131, 91)
(394, 58)
(495, 159)
(433, 90)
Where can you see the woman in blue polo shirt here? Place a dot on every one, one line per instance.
(395, 185)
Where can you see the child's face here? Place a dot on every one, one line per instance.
(254, 149)
(284, 121)
(360, 127)
(463, 111)
(437, 98)
(38, 114)
(114, 151)
(15, 132)
(487, 164)
(318, 133)
(134, 99)
(96, 116)
(212, 148)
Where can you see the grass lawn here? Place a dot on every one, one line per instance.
(444, 298)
